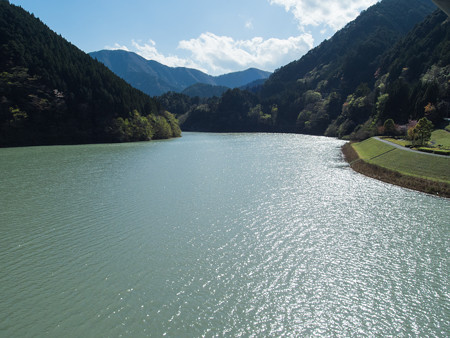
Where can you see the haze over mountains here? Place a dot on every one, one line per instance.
(155, 79)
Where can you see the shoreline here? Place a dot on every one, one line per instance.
(439, 189)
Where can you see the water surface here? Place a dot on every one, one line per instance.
(215, 234)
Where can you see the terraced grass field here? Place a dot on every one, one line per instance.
(405, 162)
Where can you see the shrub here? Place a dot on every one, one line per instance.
(389, 127)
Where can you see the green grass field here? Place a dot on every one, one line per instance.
(405, 162)
(371, 148)
(441, 137)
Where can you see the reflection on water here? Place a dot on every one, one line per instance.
(230, 234)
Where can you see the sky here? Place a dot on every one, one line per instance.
(214, 36)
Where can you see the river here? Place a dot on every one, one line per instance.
(216, 235)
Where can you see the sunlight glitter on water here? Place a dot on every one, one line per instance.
(236, 234)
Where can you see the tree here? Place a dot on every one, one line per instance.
(381, 104)
(173, 123)
(389, 127)
(162, 128)
(431, 112)
(421, 133)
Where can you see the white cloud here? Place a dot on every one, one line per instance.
(222, 54)
(117, 47)
(149, 51)
(332, 13)
(215, 54)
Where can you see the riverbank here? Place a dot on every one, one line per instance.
(373, 158)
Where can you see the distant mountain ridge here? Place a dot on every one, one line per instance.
(154, 78)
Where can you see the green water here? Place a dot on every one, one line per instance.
(215, 235)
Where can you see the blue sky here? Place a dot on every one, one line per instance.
(214, 36)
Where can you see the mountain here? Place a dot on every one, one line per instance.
(156, 79)
(339, 65)
(53, 93)
(228, 81)
(444, 5)
(309, 94)
(413, 79)
(149, 76)
(242, 78)
(254, 86)
(204, 90)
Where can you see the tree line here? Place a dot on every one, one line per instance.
(378, 67)
(53, 93)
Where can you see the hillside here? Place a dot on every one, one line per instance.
(411, 82)
(308, 95)
(53, 93)
(228, 81)
(350, 56)
(156, 79)
(444, 5)
(204, 90)
(311, 91)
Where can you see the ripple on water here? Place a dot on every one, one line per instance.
(235, 234)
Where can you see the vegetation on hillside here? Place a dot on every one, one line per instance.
(202, 90)
(348, 86)
(53, 93)
(412, 82)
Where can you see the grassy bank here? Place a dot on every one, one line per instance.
(396, 166)
(441, 137)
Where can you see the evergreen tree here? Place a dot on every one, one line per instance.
(53, 93)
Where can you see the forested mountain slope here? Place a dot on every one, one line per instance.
(338, 66)
(202, 90)
(411, 81)
(309, 94)
(53, 93)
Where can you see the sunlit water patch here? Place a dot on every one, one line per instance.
(216, 234)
